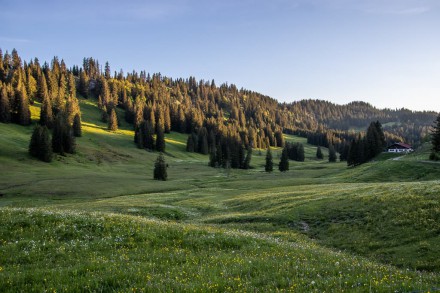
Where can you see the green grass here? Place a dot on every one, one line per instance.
(97, 221)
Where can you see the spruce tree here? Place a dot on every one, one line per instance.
(45, 153)
(160, 168)
(247, 160)
(23, 114)
(268, 167)
(284, 161)
(331, 154)
(5, 108)
(113, 121)
(77, 132)
(160, 139)
(63, 140)
(190, 144)
(40, 144)
(435, 140)
(300, 153)
(34, 144)
(46, 116)
(319, 154)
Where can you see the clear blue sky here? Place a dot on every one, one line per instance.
(386, 52)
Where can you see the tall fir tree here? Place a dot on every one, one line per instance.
(63, 140)
(160, 168)
(319, 154)
(435, 140)
(46, 115)
(23, 113)
(77, 131)
(268, 167)
(113, 121)
(247, 160)
(40, 145)
(332, 154)
(283, 166)
(5, 108)
(160, 140)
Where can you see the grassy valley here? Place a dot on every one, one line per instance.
(97, 221)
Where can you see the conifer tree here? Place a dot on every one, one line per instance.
(319, 154)
(77, 132)
(190, 144)
(247, 160)
(45, 153)
(284, 161)
(113, 121)
(63, 140)
(83, 84)
(212, 157)
(23, 114)
(160, 168)
(435, 140)
(331, 154)
(5, 108)
(160, 140)
(40, 144)
(46, 116)
(34, 144)
(268, 167)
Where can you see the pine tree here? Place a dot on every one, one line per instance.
(46, 116)
(160, 168)
(331, 154)
(5, 108)
(268, 167)
(77, 132)
(83, 84)
(190, 144)
(23, 113)
(212, 157)
(435, 140)
(34, 145)
(113, 121)
(284, 161)
(160, 140)
(40, 144)
(45, 153)
(247, 160)
(319, 154)
(300, 153)
(63, 140)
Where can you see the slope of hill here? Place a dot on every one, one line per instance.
(261, 217)
(96, 220)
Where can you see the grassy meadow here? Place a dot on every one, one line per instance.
(97, 221)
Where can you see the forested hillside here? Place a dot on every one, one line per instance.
(213, 112)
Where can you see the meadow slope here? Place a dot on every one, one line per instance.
(97, 220)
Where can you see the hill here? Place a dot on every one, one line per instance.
(96, 220)
(79, 210)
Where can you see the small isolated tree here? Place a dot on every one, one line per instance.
(284, 161)
(160, 168)
(40, 145)
(319, 154)
(331, 154)
(113, 121)
(77, 132)
(269, 161)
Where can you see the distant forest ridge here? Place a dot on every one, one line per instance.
(188, 105)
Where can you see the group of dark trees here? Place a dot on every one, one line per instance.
(156, 105)
(364, 148)
(54, 87)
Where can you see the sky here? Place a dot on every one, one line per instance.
(385, 52)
